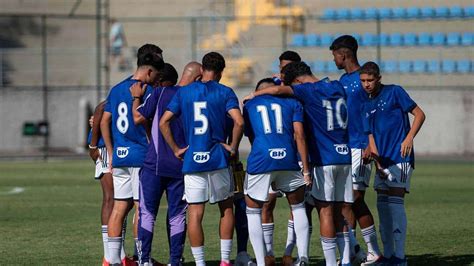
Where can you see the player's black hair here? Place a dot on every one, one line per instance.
(290, 56)
(169, 73)
(293, 70)
(150, 55)
(370, 68)
(213, 61)
(265, 80)
(345, 41)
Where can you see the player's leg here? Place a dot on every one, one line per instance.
(135, 177)
(323, 192)
(256, 190)
(107, 206)
(196, 193)
(296, 200)
(385, 216)
(241, 230)
(268, 221)
(176, 219)
(221, 189)
(123, 202)
(399, 184)
(151, 190)
(344, 197)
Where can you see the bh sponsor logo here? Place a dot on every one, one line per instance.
(278, 153)
(201, 157)
(122, 152)
(342, 149)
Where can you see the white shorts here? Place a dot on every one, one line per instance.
(102, 164)
(399, 176)
(333, 183)
(213, 186)
(126, 183)
(257, 186)
(360, 171)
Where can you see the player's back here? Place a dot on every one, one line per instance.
(269, 123)
(325, 109)
(203, 108)
(130, 140)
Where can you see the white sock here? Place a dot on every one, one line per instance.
(385, 226)
(343, 244)
(198, 254)
(399, 217)
(115, 245)
(226, 248)
(329, 250)
(300, 220)
(370, 238)
(124, 232)
(254, 218)
(105, 236)
(290, 239)
(268, 237)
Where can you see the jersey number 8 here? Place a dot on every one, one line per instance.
(122, 121)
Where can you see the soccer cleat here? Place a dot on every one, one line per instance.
(287, 260)
(374, 260)
(243, 259)
(359, 257)
(223, 263)
(270, 261)
(395, 261)
(303, 261)
(105, 262)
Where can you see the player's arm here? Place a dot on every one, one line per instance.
(137, 90)
(97, 117)
(300, 139)
(237, 131)
(273, 90)
(374, 153)
(105, 130)
(419, 119)
(165, 129)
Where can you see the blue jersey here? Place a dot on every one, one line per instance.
(160, 158)
(386, 118)
(325, 111)
(130, 140)
(100, 142)
(269, 122)
(203, 108)
(356, 97)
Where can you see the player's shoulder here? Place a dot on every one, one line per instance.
(393, 88)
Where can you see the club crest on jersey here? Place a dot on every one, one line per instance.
(278, 153)
(342, 149)
(202, 156)
(122, 152)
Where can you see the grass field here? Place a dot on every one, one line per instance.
(55, 220)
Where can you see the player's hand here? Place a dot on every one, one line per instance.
(366, 155)
(138, 89)
(228, 148)
(406, 147)
(91, 121)
(94, 154)
(180, 152)
(308, 180)
(248, 97)
(382, 172)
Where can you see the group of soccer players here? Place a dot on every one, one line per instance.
(313, 140)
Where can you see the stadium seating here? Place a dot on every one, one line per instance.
(385, 13)
(357, 13)
(405, 66)
(319, 66)
(396, 39)
(410, 39)
(371, 13)
(448, 66)
(399, 13)
(427, 12)
(329, 14)
(312, 39)
(298, 40)
(438, 39)
(326, 39)
(469, 11)
(343, 14)
(467, 39)
(390, 66)
(441, 12)
(455, 12)
(434, 66)
(463, 66)
(413, 12)
(453, 39)
(369, 39)
(424, 39)
(419, 66)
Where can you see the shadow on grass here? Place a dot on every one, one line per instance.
(426, 259)
(437, 259)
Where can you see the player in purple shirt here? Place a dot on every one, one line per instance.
(391, 144)
(344, 51)
(161, 170)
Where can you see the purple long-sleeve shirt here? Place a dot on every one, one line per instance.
(159, 157)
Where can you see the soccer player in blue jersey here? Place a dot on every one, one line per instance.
(324, 104)
(129, 145)
(161, 170)
(203, 107)
(391, 140)
(98, 154)
(274, 126)
(344, 50)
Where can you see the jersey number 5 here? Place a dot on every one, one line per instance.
(199, 116)
(262, 109)
(330, 116)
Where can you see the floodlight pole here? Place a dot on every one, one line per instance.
(44, 59)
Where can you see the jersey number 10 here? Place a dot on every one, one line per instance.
(330, 114)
